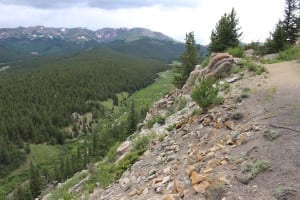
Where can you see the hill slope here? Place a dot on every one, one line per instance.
(248, 148)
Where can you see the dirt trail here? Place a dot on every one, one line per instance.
(274, 103)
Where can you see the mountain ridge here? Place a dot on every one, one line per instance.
(81, 34)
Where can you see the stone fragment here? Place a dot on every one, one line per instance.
(157, 180)
(133, 192)
(124, 147)
(171, 158)
(167, 170)
(201, 188)
(197, 178)
(145, 191)
(166, 179)
(224, 179)
(159, 190)
(177, 187)
(190, 169)
(170, 197)
(230, 125)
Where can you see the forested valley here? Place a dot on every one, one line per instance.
(41, 97)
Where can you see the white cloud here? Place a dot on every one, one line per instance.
(257, 18)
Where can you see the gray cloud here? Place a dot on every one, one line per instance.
(104, 4)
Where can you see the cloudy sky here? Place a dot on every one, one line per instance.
(171, 17)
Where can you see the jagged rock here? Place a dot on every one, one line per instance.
(145, 191)
(219, 64)
(177, 187)
(167, 170)
(230, 125)
(124, 182)
(152, 172)
(159, 189)
(181, 123)
(197, 72)
(76, 116)
(190, 170)
(197, 178)
(157, 180)
(170, 197)
(201, 188)
(171, 158)
(166, 179)
(233, 79)
(133, 192)
(124, 147)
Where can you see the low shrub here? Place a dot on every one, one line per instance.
(158, 119)
(206, 94)
(216, 191)
(182, 103)
(140, 144)
(290, 54)
(252, 67)
(205, 62)
(171, 127)
(236, 51)
(111, 154)
(259, 166)
(235, 69)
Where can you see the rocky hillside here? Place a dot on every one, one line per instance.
(247, 148)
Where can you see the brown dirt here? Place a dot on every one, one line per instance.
(274, 104)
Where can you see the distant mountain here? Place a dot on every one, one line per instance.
(81, 34)
(20, 43)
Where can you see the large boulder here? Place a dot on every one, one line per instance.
(270, 56)
(219, 64)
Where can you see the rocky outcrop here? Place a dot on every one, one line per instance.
(219, 65)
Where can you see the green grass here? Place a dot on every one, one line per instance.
(62, 191)
(252, 67)
(158, 119)
(235, 69)
(41, 155)
(290, 54)
(155, 91)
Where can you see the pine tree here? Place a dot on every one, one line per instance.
(277, 42)
(291, 25)
(188, 60)
(132, 119)
(226, 33)
(35, 181)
